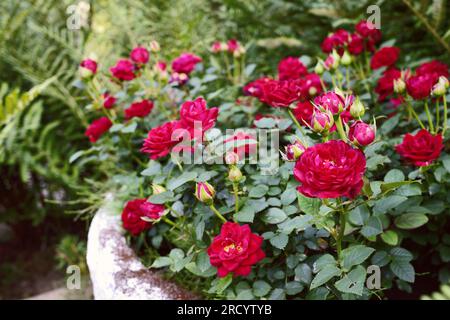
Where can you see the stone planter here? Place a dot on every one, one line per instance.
(116, 272)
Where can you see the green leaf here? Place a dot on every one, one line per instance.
(389, 124)
(258, 191)
(288, 196)
(261, 288)
(309, 205)
(355, 255)
(372, 228)
(279, 241)
(203, 263)
(323, 261)
(76, 155)
(303, 273)
(381, 258)
(401, 254)
(353, 282)
(359, 215)
(180, 180)
(446, 162)
(274, 216)
(277, 294)
(223, 283)
(154, 168)
(161, 198)
(293, 288)
(161, 262)
(390, 237)
(130, 128)
(388, 203)
(394, 175)
(404, 270)
(410, 220)
(328, 272)
(298, 223)
(246, 214)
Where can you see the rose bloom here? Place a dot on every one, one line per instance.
(133, 212)
(419, 86)
(242, 143)
(185, 63)
(304, 112)
(159, 141)
(197, 111)
(161, 65)
(235, 250)
(89, 64)
(97, 128)
(255, 88)
(330, 170)
(385, 85)
(360, 133)
(108, 100)
(337, 41)
(280, 93)
(434, 68)
(139, 55)
(356, 44)
(291, 68)
(123, 70)
(368, 31)
(385, 57)
(334, 102)
(139, 109)
(309, 86)
(420, 149)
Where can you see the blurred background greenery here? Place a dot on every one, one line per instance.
(42, 116)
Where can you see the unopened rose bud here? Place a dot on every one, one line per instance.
(88, 68)
(319, 69)
(440, 87)
(322, 121)
(294, 151)
(205, 192)
(357, 109)
(154, 46)
(346, 58)
(361, 134)
(235, 174)
(239, 52)
(231, 158)
(157, 189)
(399, 85)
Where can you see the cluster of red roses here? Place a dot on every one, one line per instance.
(127, 70)
(232, 46)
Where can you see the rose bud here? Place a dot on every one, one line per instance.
(399, 85)
(440, 87)
(357, 109)
(139, 55)
(205, 192)
(154, 46)
(294, 151)
(231, 158)
(321, 121)
(361, 134)
(331, 62)
(319, 69)
(235, 174)
(346, 59)
(88, 68)
(157, 189)
(108, 100)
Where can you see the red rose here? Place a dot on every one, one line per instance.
(291, 68)
(90, 65)
(161, 65)
(139, 109)
(123, 70)
(360, 133)
(435, 68)
(385, 85)
(419, 86)
(334, 102)
(309, 86)
(97, 128)
(304, 112)
(280, 93)
(255, 88)
(356, 44)
(368, 31)
(421, 149)
(197, 111)
(385, 57)
(330, 170)
(185, 63)
(159, 141)
(136, 209)
(235, 250)
(139, 55)
(242, 143)
(337, 41)
(108, 100)
(233, 45)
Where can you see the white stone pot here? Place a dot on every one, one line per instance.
(116, 272)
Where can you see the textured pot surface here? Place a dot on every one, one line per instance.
(116, 272)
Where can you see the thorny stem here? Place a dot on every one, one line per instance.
(217, 213)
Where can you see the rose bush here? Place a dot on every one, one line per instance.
(360, 186)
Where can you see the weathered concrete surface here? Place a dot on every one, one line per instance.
(116, 272)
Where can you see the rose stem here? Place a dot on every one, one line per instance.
(218, 214)
(430, 122)
(444, 126)
(236, 197)
(340, 129)
(294, 119)
(410, 108)
(170, 222)
(342, 219)
(438, 116)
